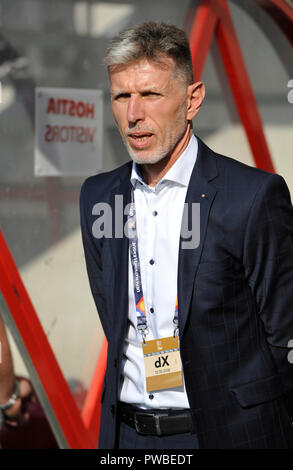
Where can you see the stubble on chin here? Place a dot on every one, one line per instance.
(141, 157)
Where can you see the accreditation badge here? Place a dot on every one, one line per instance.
(163, 369)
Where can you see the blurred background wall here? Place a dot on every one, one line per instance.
(61, 43)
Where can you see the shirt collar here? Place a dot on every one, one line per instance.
(179, 173)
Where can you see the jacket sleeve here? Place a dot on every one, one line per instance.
(268, 261)
(93, 258)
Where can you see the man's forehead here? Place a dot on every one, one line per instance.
(163, 62)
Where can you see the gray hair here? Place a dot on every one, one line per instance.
(153, 41)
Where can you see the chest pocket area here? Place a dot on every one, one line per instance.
(219, 282)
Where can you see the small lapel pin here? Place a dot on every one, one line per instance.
(203, 196)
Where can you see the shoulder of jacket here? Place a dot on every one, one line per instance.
(230, 170)
(237, 167)
(103, 183)
(241, 176)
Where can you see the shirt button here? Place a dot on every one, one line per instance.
(155, 213)
(151, 310)
(151, 396)
(152, 261)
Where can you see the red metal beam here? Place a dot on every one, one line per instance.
(242, 90)
(201, 35)
(281, 12)
(92, 406)
(40, 352)
(214, 15)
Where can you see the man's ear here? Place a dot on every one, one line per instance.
(195, 97)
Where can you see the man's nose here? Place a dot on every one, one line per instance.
(135, 110)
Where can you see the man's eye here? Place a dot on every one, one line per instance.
(150, 93)
(122, 96)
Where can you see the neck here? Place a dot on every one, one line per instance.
(153, 173)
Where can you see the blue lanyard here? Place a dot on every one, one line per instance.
(136, 271)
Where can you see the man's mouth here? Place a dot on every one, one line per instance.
(140, 139)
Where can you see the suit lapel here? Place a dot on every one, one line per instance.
(202, 192)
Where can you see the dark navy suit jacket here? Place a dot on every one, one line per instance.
(235, 295)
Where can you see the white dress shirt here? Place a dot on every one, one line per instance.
(159, 212)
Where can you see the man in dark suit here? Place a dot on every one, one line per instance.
(213, 370)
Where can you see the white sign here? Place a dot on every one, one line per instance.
(68, 132)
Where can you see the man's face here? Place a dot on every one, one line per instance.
(149, 105)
